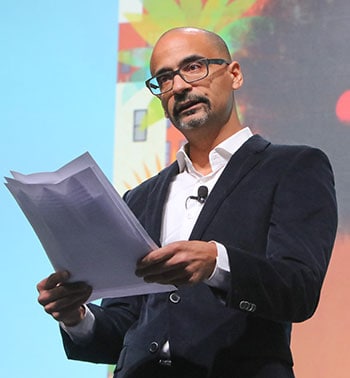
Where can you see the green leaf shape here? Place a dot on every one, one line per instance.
(154, 113)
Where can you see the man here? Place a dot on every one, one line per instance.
(248, 259)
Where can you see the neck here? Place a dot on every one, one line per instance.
(201, 143)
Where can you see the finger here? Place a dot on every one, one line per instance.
(170, 278)
(65, 305)
(170, 264)
(161, 255)
(53, 280)
(60, 291)
(56, 279)
(170, 274)
(178, 273)
(154, 257)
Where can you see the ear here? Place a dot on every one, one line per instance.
(237, 76)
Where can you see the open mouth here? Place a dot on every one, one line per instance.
(189, 106)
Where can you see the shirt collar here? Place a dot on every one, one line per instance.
(218, 156)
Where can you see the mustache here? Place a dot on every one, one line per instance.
(186, 101)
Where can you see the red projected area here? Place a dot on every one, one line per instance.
(343, 107)
(320, 345)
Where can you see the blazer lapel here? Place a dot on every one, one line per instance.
(157, 198)
(238, 166)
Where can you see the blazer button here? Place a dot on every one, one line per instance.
(174, 298)
(252, 307)
(153, 347)
(247, 306)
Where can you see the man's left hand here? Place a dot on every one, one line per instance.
(179, 263)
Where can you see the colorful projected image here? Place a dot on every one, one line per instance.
(154, 141)
(296, 91)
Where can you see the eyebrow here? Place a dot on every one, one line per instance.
(186, 60)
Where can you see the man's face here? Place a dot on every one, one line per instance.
(192, 105)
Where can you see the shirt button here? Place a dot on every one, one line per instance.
(174, 298)
(189, 215)
(153, 347)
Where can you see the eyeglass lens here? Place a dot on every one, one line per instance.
(189, 72)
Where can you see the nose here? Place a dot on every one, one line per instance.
(180, 85)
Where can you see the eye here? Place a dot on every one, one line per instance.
(193, 66)
(164, 78)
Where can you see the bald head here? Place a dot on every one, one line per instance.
(214, 39)
(185, 35)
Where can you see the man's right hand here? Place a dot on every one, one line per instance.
(62, 300)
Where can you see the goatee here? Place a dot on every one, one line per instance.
(180, 112)
(193, 123)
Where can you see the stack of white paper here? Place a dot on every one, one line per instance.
(85, 227)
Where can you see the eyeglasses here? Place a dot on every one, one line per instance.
(189, 72)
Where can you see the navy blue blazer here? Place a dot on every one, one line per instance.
(274, 209)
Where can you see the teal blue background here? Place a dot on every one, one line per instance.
(57, 100)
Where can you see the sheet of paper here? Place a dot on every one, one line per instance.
(85, 227)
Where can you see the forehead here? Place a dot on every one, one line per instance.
(174, 47)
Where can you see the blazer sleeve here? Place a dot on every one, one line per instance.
(285, 283)
(112, 320)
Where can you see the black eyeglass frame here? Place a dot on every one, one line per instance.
(207, 61)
